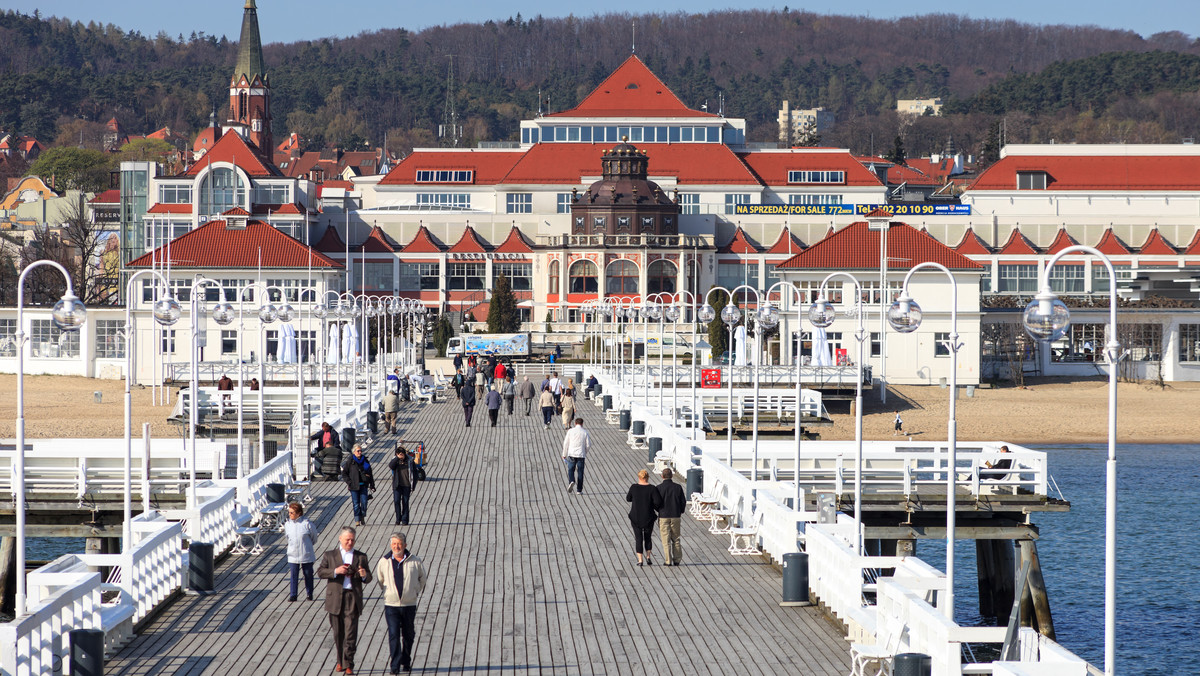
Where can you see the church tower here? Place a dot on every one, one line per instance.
(250, 90)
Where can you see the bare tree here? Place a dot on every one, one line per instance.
(84, 255)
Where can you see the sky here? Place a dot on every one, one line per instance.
(294, 20)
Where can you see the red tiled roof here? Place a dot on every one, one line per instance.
(740, 244)
(423, 242)
(787, 244)
(205, 140)
(280, 209)
(1157, 245)
(877, 212)
(470, 242)
(631, 91)
(689, 163)
(1111, 245)
(233, 148)
(899, 173)
(108, 197)
(1018, 244)
(236, 211)
(162, 208)
(772, 166)
(856, 247)
(515, 243)
(972, 245)
(489, 166)
(331, 241)
(1061, 241)
(377, 242)
(1193, 249)
(212, 245)
(1089, 172)
(938, 171)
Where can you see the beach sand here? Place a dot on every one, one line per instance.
(1049, 410)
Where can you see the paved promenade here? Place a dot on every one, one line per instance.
(523, 577)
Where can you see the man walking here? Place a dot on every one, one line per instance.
(509, 390)
(346, 569)
(673, 504)
(468, 403)
(556, 388)
(359, 478)
(480, 385)
(391, 407)
(402, 578)
(527, 392)
(576, 445)
(493, 403)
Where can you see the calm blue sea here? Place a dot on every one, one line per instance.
(1158, 557)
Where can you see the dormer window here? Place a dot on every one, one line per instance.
(1031, 180)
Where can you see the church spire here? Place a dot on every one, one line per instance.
(250, 89)
(250, 59)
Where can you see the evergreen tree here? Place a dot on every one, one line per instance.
(442, 334)
(503, 316)
(990, 152)
(897, 154)
(718, 332)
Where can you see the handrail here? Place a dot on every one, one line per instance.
(37, 642)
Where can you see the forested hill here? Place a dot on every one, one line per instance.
(60, 79)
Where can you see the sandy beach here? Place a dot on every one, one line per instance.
(1047, 411)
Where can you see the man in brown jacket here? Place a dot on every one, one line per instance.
(347, 570)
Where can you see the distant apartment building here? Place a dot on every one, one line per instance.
(794, 124)
(919, 106)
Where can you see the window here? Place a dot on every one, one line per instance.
(447, 176)
(162, 230)
(110, 338)
(272, 194)
(689, 202)
(175, 194)
(871, 292)
(621, 277)
(564, 203)
(292, 288)
(168, 340)
(1031, 180)
(8, 340)
(1066, 278)
(554, 275)
(419, 277)
(447, 200)
(876, 344)
(941, 344)
(48, 341)
(810, 290)
(1189, 342)
(378, 275)
(816, 176)
(814, 199)
(1144, 341)
(229, 342)
(519, 202)
(734, 199)
(220, 191)
(985, 279)
(730, 275)
(1100, 276)
(582, 277)
(520, 275)
(1018, 279)
(152, 289)
(306, 344)
(272, 344)
(661, 277)
(230, 290)
(466, 276)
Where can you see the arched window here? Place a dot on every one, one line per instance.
(582, 276)
(554, 275)
(621, 277)
(222, 190)
(660, 277)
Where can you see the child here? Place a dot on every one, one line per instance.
(301, 551)
(899, 424)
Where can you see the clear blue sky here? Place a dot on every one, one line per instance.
(291, 20)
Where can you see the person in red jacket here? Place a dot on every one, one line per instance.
(500, 371)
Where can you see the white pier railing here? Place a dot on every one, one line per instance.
(59, 600)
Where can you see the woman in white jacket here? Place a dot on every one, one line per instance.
(301, 551)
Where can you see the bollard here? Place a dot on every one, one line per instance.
(606, 402)
(348, 435)
(639, 428)
(275, 493)
(201, 573)
(654, 445)
(695, 481)
(99, 396)
(912, 664)
(373, 422)
(87, 652)
(625, 418)
(795, 580)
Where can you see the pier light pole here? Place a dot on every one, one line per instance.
(1047, 319)
(68, 314)
(196, 306)
(658, 314)
(650, 313)
(166, 312)
(905, 316)
(268, 313)
(766, 317)
(797, 300)
(672, 313)
(322, 310)
(822, 314)
(301, 410)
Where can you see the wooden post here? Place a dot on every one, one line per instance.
(1035, 597)
(986, 577)
(1004, 580)
(8, 564)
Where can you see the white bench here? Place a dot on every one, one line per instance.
(248, 537)
(743, 541)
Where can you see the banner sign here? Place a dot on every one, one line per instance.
(710, 378)
(852, 209)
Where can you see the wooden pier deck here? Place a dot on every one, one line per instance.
(523, 577)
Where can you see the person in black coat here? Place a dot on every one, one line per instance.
(359, 478)
(404, 473)
(669, 518)
(468, 403)
(324, 437)
(642, 513)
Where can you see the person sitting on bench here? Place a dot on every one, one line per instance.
(1003, 463)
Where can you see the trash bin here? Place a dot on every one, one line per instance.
(348, 439)
(695, 481)
(98, 396)
(275, 493)
(405, 390)
(624, 421)
(639, 428)
(598, 389)
(87, 652)
(578, 378)
(606, 402)
(201, 573)
(654, 445)
(795, 579)
(912, 664)
(373, 421)
(970, 390)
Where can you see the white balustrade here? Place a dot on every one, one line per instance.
(212, 519)
(61, 598)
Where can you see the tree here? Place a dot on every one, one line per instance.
(442, 333)
(718, 332)
(990, 152)
(83, 255)
(503, 316)
(74, 169)
(147, 150)
(897, 155)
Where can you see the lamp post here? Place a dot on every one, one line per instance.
(193, 411)
(905, 316)
(822, 314)
(267, 315)
(730, 315)
(650, 313)
(68, 314)
(1047, 318)
(672, 313)
(797, 299)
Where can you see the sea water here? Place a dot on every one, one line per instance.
(1158, 557)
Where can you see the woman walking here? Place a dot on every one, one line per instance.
(457, 381)
(403, 473)
(301, 550)
(509, 390)
(547, 403)
(643, 512)
(359, 479)
(568, 409)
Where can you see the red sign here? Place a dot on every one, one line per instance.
(710, 378)
(843, 359)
